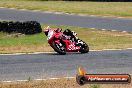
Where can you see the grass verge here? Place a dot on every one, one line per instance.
(59, 83)
(97, 39)
(90, 8)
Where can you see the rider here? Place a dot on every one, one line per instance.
(70, 33)
(67, 33)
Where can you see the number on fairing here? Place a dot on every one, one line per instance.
(72, 47)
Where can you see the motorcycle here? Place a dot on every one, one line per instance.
(61, 44)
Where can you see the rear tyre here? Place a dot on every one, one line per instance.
(59, 48)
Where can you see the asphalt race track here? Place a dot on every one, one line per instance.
(121, 24)
(41, 66)
(47, 65)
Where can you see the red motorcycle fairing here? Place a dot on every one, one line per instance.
(54, 36)
(70, 46)
(57, 41)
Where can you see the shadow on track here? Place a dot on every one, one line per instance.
(69, 53)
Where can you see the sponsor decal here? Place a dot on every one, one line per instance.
(83, 78)
(72, 47)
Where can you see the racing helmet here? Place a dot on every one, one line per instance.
(67, 32)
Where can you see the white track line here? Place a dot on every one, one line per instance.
(82, 15)
(13, 8)
(95, 50)
(112, 49)
(2, 7)
(120, 17)
(103, 29)
(36, 10)
(92, 28)
(21, 80)
(28, 53)
(129, 48)
(59, 12)
(7, 81)
(23, 9)
(113, 30)
(69, 77)
(55, 52)
(39, 79)
(124, 31)
(47, 12)
(93, 15)
(54, 78)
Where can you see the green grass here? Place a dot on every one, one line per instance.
(96, 39)
(90, 8)
(7, 40)
(94, 86)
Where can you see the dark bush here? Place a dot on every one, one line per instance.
(0, 26)
(28, 27)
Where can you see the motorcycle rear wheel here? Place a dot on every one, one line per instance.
(58, 48)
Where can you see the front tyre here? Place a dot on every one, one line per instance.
(84, 48)
(59, 48)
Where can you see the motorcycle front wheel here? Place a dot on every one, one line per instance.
(59, 48)
(84, 48)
